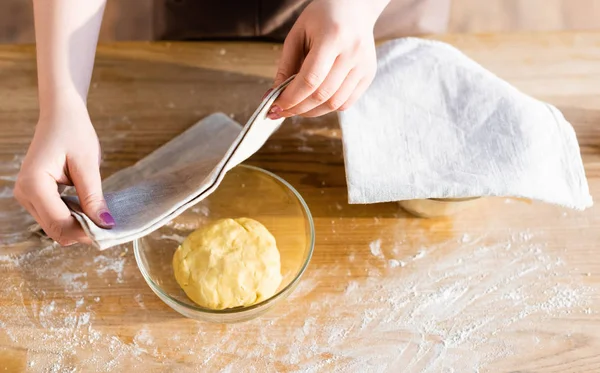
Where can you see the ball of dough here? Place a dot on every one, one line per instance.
(230, 263)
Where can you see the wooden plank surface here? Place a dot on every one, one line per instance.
(508, 286)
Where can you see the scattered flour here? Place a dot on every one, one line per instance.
(442, 313)
(58, 324)
(375, 247)
(79, 302)
(201, 209)
(140, 301)
(438, 315)
(7, 260)
(74, 281)
(393, 263)
(352, 286)
(447, 308)
(106, 264)
(144, 337)
(419, 255)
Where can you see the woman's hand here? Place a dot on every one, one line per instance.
(64, 151)
(331, 48)
(65, 148)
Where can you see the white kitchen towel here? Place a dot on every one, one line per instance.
(149, 194)
(435, 124)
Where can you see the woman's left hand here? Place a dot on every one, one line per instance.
(331, 48)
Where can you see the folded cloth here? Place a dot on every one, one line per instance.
(435, 124)
(149, 194)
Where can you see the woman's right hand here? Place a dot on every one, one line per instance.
(64, 151)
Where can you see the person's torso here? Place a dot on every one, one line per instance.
(272, 19)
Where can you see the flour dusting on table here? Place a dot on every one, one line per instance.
(432, 311)
(448, 306)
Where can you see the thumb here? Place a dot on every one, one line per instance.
(291, 58)
(85, 175)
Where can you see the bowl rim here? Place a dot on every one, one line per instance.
(157, 289)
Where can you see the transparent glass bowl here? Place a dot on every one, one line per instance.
(245, 191)
(438, 207)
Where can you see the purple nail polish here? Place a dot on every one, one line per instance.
(107, 218)
(275, 109)
(273, 116)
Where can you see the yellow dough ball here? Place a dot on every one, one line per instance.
(230, 263)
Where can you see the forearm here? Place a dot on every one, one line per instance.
(66, 34)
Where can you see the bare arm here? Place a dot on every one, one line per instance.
(65, 148)
(66, 33)
(331, 48)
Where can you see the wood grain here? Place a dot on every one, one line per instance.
(144, 94)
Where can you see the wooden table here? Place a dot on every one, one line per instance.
(508, 286)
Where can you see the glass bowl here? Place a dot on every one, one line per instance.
(245, 191)
(438, 207)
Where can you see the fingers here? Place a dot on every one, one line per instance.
(323, 86)
(312, 74)
(85, 174)
(39, 195)
(291, 59)
(356, 94)
(341, 96)
(324, 93)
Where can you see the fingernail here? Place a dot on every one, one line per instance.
(107, 218)
(275, 109)
(273, 116)
(267, 93)
(67, 243)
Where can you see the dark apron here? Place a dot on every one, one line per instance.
(272, 19)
